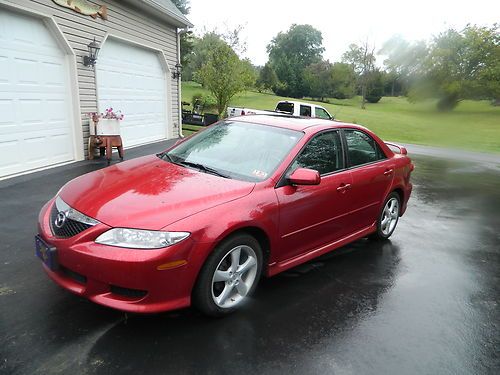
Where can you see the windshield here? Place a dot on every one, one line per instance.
(238, 150)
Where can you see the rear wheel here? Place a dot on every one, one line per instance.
(229, 276)
(388, 218)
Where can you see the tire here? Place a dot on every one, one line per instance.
(391, 209)
(230, 275)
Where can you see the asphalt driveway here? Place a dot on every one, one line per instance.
(426, 302)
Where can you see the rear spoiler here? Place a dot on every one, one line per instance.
(401, 150)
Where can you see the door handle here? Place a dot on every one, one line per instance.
(388, 172)
(343, 187)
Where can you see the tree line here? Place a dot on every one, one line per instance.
(452, 66)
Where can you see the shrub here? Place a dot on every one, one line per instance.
(373, 98)
(203, 102)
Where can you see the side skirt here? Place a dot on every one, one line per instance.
(278, 267)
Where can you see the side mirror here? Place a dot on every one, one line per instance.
(304, 176)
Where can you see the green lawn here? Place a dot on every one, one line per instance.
(473, 125)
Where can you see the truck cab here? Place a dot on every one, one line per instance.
(300, 109)
(285, 108)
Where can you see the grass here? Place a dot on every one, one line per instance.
(190, 129)
(473, 125)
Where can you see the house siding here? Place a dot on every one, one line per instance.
(123, 22)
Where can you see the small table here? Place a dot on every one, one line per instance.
(105, 142)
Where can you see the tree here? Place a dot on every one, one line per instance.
(186, 37)
(343, 81)
(403, 63)
(461, 65)
(182, 5)
(375, 86)
(251, 71)
(224, 74)
(186, 45)
(202, 48)
(362, 60)
(318, 78)
(267, 78)
(290, 53)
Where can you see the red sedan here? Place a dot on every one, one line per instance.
(201, 222)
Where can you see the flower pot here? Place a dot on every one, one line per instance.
(106, 127)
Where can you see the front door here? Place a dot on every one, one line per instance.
(311, 216)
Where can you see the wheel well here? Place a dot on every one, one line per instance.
(401, 194)
(263, 239)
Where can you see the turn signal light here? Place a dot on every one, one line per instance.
(170, 265)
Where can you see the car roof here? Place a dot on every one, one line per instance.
(305, 124)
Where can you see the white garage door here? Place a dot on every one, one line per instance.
(132, 79)
(35, 101)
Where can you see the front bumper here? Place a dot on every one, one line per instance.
(140, 281)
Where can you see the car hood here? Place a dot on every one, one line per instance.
(149, 193)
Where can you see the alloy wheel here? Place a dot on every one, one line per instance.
(234, 276)
(390, 216)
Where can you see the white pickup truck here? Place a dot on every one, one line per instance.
(285, 108)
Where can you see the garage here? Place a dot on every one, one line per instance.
(35, 98)
(132, 79)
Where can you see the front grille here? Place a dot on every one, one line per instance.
(70, 227)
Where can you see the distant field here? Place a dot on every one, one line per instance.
(473, 125)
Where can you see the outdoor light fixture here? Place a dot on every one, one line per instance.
(91, 59)
(177, 73)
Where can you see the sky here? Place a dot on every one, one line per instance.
(340, 22)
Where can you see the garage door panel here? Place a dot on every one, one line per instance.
(9, 165)
(132, 79)
(35, 99)
(54, 73)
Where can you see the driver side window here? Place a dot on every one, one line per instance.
(323, 153)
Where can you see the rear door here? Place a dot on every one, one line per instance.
(372, 175)
(311, 216)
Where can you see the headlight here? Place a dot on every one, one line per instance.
(140, 239)
(73, 214)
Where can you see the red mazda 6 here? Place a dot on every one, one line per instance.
(201, 222)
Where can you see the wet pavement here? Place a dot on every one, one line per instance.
(426, 302)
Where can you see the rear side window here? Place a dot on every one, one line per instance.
(321, 113)
(285, 107)
(323, 153)
(305, 111)
(361, 148)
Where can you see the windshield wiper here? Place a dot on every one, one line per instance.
(167, 157)
(203, 168)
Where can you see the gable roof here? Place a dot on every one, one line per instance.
(164, 9)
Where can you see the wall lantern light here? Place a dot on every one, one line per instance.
(91, 59)
(177, 72)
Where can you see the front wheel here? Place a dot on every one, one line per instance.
(388, 218)
(229, 276)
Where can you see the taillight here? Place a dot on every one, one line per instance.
(243, 113)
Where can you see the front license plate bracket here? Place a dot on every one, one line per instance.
(47, 253)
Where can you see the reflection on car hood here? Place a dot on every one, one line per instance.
(149, 193)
